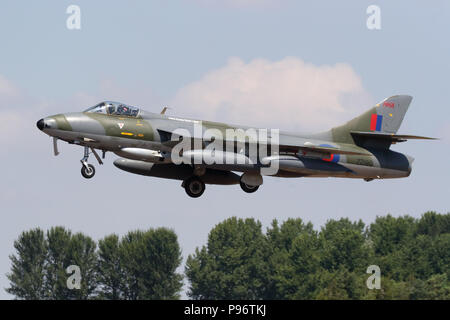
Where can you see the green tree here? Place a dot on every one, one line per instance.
(340, 284)
(82, 253)
(27, 271)
(239, 261)
(388, 233)
(39, 269)
(434, 224)
(439, 254)
(109, 270)
(284, 236)
(294, 259)
(344, 245)
(391, 290)
(437, 287)
(148, 262)
(63, 250)
(58, 239)
(233, 265)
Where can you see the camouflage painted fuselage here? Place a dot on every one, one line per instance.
(146, 131)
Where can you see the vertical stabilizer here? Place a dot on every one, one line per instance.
(384, 117)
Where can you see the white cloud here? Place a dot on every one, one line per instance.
(289, 93)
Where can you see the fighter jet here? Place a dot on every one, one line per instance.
(205, 152)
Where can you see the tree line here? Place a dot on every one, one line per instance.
(140, 265)
(291, 260)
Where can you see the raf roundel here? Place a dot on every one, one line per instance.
(333, 157)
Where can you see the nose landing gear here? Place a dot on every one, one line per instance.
(88, 170)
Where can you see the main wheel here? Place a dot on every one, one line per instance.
(194, 187)
(247, 188)
(88, 172)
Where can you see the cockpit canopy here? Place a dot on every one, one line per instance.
(114, 108)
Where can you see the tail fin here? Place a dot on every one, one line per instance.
(384, 118)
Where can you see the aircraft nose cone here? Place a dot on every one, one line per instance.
(40, 124)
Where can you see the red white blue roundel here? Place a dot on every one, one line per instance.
(333, 157)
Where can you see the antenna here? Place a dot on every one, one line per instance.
(164, 110)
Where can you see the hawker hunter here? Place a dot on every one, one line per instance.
(204, 152)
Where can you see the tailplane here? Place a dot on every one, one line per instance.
(378, 126)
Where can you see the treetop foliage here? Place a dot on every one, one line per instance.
(288, 260)
(293, 261)
(140, 265)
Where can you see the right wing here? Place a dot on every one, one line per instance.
(287, 145)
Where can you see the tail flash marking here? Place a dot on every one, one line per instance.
(379, 122)
(376, 121)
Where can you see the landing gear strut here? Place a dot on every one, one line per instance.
(88, 170)
(194, 186)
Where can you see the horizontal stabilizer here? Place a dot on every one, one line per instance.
(388, 137)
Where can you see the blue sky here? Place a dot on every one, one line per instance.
(195, 55)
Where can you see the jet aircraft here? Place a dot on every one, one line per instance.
(149, 143)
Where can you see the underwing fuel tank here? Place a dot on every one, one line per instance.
(286, 163)
(214, 157)
(175, 172)
(306, 166)
(142, 155)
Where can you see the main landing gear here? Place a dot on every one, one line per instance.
(88, 170)
(247, 188)
(194, 186)
(250, 182)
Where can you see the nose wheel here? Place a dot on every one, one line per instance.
(88, 170)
